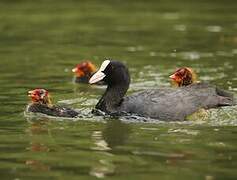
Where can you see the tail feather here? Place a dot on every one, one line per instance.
(226, 98)
(224, 93)
(225, 101)
(235, 102)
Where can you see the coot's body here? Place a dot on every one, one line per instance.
(174, 104)
(163, 104)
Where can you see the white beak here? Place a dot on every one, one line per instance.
(98, 76)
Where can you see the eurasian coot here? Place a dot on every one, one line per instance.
(163, 103)
(41, 103)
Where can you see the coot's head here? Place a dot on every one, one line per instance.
(40, 96)
(183, 76)
(112, 73)
(85, 68)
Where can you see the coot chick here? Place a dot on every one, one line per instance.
(162, 104)
(84, 71)
(183, 77)
(41, 103)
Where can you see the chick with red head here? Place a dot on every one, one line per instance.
(183, 77)
(84, 71)
(41, 103)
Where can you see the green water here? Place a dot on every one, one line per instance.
(40, 41)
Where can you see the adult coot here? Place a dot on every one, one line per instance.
(163, 103)
(41, 103)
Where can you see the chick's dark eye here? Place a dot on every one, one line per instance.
(41, 93)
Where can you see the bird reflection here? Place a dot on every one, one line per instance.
(114, 134)
(35, 131)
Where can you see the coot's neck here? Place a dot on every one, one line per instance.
(113, 97)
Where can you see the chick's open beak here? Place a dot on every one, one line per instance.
(173, 76)
(33, 96)
(78, 72)
(30, 93)
(74, 70)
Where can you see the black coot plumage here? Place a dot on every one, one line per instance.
(41, 103)
(163, 103)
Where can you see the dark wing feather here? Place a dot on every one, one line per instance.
(57, 111)
(176, 103)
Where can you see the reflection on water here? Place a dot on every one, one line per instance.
(100, 143)
(35, 130)
(105, 166)
(115, 133)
